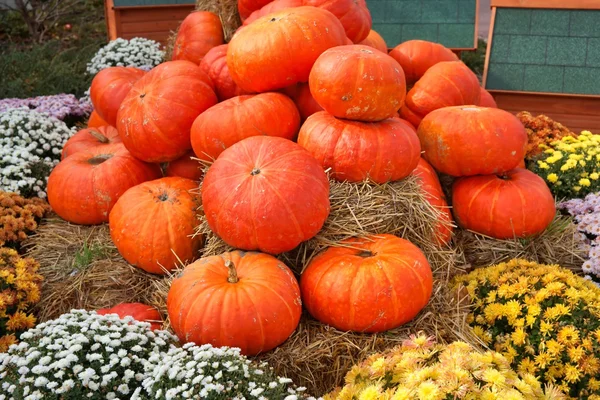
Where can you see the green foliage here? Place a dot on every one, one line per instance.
(475, 60)
(87, 254)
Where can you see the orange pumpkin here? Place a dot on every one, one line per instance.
(152, 224)
(280, 49)
(367, 284)
(95, 121)
(238, 299)
(214, 64)
(198, 33)
(138, 311)
(517, 203)
(265, 193)
(432, 189)
(247, 7)
(109, 88)
(487, 100)
(375, 41)
(84, 187)
(185, 167)
(355, 151)
(409, 116)
(221, 126)
(358, 83)
(417, 56)
(155, 118)
(471, 140)
(89, 138)
(304, 100)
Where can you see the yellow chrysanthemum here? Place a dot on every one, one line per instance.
(370, 393)
(428, 390)
(568, 335)
(552, 177)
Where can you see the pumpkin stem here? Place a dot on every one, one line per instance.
(99, 159)
(232, 278)
(366, 253)
(163, 196)
(504, 177)
(255, 171)
(98, 136)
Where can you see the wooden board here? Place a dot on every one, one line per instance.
(551, 4)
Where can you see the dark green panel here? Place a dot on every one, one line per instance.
(570, 51)
(506, 77)
(420, 31)
(528, 49)
(543, 78)
(129, 3)
(593, 53)
(550, 22)
(585, 23)
(440, 11)
(582, 80)
(455, 35)
(511, 21)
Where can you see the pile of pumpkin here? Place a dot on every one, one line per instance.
(287, 99)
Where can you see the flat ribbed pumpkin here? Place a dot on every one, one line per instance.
(214, 64)
(238, 299)
(304, 100)
(185, 167)
(517, 203)
(89, 138)
(369, 285)
(247, 7)
(487, 100)
(96, 121)
(375, 41)
(417, 56)
(138, 311)
(198, 33)
(265, 193)
(381, 151)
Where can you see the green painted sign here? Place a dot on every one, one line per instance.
(543, 50)
(130, 3)
(449, 22)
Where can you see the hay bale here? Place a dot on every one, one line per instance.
(170, 45)
(559, 244)
(83, 269)
(226, 10)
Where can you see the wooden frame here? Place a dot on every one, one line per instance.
(556, 4)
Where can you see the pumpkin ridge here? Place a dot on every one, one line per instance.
(253, 219)
(270, 289)
(230, 195)
(393, 296)
(288, 209)
(277, 159)
(474, 196)
(227, 178)
(522, 198)
(207, 299)
(415, 274)
(299, 173)
(258, 318)
(353, 291)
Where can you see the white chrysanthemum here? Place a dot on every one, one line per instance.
(137, 52)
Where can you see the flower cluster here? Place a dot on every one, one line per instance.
(19, 216)
(571, 166)
(421, 369)
(83, 355)
(541, 131)
(59, 106)
(137, 52)
(19, 290)
(30, 146)
(543, 318)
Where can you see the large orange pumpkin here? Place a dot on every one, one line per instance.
(417, 56)
(381, 151)
(152, 224)
(214, 64)
(445, 84)
(358, 83)
(279, 49)
(185, 167)
(96, 121)
(138, 311)
(155, 118)
(375, 41)
(487, 100)
(84, 187)
(198, 33)
(434, 194)
(247, 7)
(517, 203)
(238, 299)
(89, 138)
(109, 88)
(304, 100)
(265, 193)
(223, 125)
(367, 284)
(471, 140)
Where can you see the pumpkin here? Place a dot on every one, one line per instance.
(471, 140)
(375, 41)
(265, 193)
(199, 32)
(152, 224)
(367, 284)
(95, 121)
(417, 56)
(247, 7)
(517, 203)
(239, 299)
(409, 116)
(434, 194)
(138, 311)
(487, 100)
(89, 138)
(155, 119)
(280, 49)
(185, 167)
(84, 187)
(355, 151)
(214, 64)
(109, 88)
(358, 83)
(223, 125)
(304, 100)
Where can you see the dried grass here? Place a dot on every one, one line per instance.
(170, 45)
(226, 10)
(83, 269)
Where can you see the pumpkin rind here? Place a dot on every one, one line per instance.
(155, 118)
(247, 7)
(381, 151)
(152, 224)
(303, 99)
(375, 41)
(96, 121)
(470, 140)
(109, 88)
(185, 167)
(257, 313)
(517, 203)
(225, 124)
(265, 193)
(487, 100)
(417, 56)
(371, 285)
(89, 138)
(138, 311)
(84, 187)
(358, 83)
(198, 33)
(214, 64)
(280, 49)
